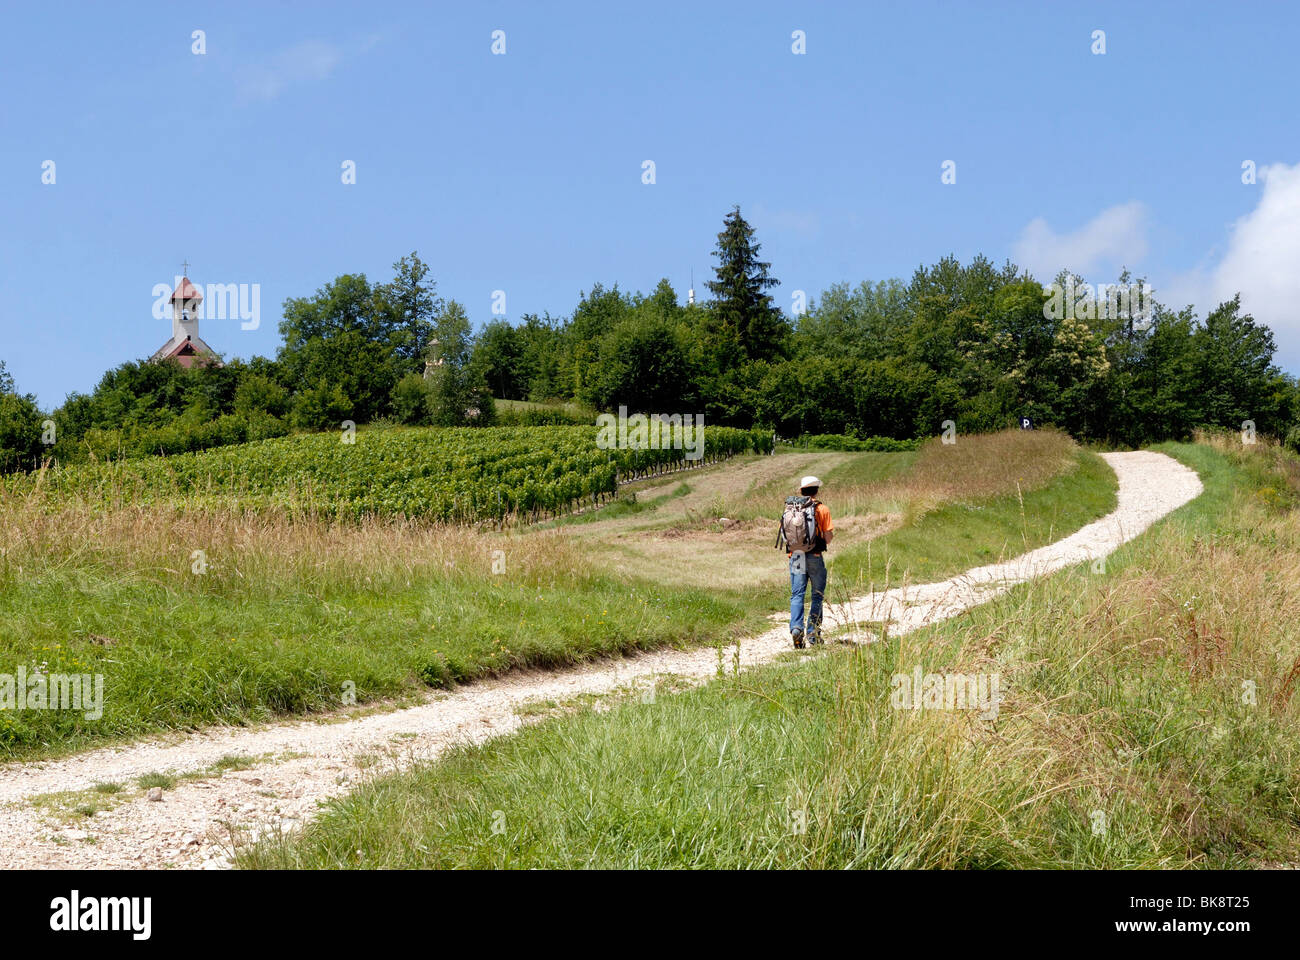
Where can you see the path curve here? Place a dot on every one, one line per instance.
(300, 763)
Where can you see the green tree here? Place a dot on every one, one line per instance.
(458, 391)
(808, 395)
(743, 312)
(541, 341)
(347, 304)
(499, 355)
(258, 392)
(643, 364)
(20, 427)
(597, 314)
(866, 322)
(1234, 368)
(413, 299)
(343, 336)
(413, 400)
(321, 406)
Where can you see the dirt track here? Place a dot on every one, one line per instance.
(298, 764)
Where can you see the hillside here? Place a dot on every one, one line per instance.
(282, 611)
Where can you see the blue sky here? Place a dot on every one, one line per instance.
(522, 172)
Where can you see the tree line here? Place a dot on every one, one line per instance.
(979, 344)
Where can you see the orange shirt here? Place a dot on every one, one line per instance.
(823, 514)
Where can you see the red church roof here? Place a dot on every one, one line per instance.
(187, 352)
(186, 291)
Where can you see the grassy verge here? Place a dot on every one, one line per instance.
(295, 620)
(1148, 719)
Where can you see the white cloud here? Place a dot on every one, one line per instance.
(1261, 262)
(304, 62)
(1114, 239)
(1263, 258)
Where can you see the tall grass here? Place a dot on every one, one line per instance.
(981, 466)
(983, 499)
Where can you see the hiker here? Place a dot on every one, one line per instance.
(806, 531)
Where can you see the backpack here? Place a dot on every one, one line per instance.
(798, 529)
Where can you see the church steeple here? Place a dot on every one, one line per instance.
(185, 310)
(185, 345)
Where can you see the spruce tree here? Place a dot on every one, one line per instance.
(744, 313)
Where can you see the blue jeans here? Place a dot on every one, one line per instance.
(805, 570)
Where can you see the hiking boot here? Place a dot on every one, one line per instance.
(815, 637)
(797, 637)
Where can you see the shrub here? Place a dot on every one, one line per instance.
(411, 400)
(542, 416)
(20, 433)
(834, 441)
(320, 407)
(258, 393)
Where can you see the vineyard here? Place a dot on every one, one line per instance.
(436, 474)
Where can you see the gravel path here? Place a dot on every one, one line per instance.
(298, 764)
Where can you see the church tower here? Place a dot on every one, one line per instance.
(185, 310)
(186, 347)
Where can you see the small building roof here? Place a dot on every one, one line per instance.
(186, 291)
(186, 350)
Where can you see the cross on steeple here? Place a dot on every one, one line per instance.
(185, 267)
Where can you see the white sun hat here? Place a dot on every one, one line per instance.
(809, 482)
